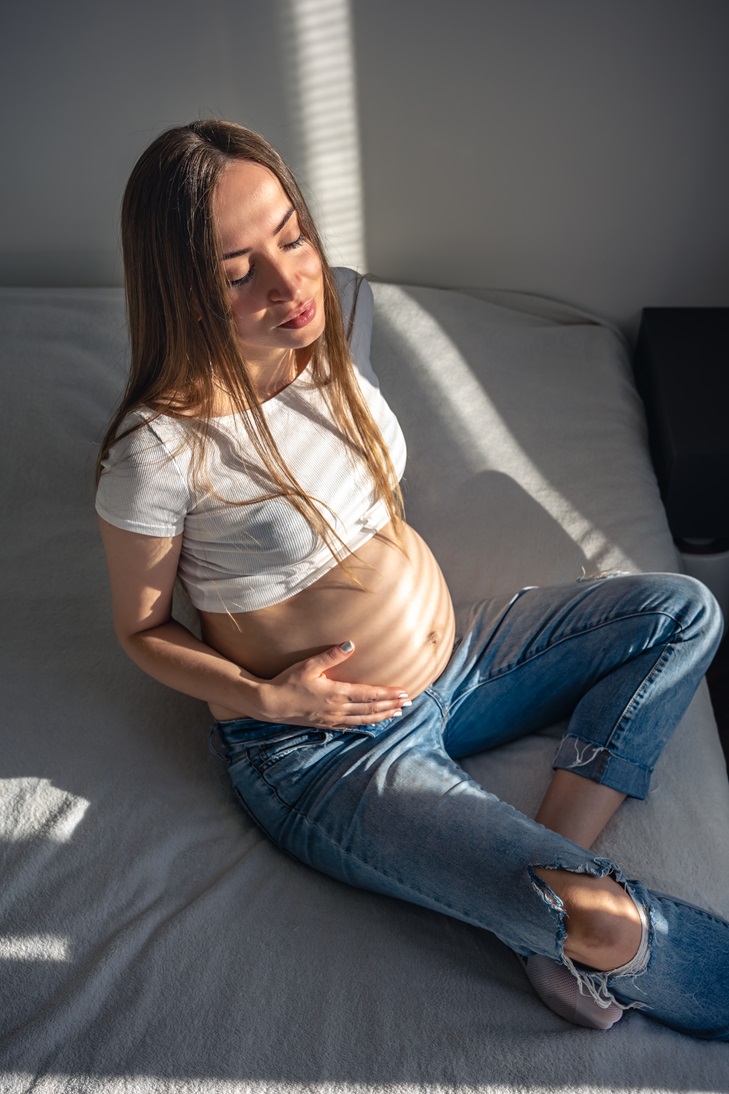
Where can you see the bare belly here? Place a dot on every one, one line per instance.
(393, 604)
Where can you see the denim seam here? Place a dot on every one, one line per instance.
(636, 698)
(559, 642)
(441, 705)
(628, 714)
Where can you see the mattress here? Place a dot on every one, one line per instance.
(151, 939)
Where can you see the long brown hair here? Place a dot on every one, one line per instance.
(180, 318)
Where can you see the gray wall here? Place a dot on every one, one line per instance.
(575, 148)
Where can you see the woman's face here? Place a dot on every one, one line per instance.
(274, 275)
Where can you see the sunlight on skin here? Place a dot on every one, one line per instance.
(409, 636)
(603, 925)
(604, 928)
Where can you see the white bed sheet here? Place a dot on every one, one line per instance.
(150, 938)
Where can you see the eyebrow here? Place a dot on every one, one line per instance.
(277, 229)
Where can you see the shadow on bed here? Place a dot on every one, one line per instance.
(151, 939)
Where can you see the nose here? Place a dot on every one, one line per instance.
(283, 283)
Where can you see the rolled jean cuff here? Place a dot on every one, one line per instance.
(598, 763)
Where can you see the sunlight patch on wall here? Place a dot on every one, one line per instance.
(322, 93)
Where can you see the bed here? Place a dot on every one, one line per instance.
(150, 938)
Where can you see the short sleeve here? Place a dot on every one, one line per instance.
(142, 488)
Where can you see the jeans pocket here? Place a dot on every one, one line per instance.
(267, 753)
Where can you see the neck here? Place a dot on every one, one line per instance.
(274, 376)
(268, 378)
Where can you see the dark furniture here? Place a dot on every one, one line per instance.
(682, 371)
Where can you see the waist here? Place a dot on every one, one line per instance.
(389, 598)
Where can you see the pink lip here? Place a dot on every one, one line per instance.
(302, 317)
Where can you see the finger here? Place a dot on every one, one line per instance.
(320, 662)
(385, 707)
(353, 721)
(367, 714)
(365, 694)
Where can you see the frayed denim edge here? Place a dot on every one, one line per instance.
(595, 982)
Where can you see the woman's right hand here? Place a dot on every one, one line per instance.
(304, 695)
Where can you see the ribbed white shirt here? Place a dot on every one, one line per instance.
(239, 558)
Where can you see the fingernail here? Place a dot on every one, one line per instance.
(397, 714)
(347, 646)
(402, 695)
(408, 703)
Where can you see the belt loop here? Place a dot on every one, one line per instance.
(211, 746)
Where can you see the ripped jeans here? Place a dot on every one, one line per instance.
(387, 807)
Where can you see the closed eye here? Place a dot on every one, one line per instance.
(247, 278)
(242, 280)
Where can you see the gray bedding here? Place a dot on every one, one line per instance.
(150, 938)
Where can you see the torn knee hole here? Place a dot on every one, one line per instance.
(600, 924)
(586, 938)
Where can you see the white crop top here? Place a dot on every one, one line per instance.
(239, 558)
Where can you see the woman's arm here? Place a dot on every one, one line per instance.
(142, 572)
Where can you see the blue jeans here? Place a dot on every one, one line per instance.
(387, 807)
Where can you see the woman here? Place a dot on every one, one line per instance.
(254, 456)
